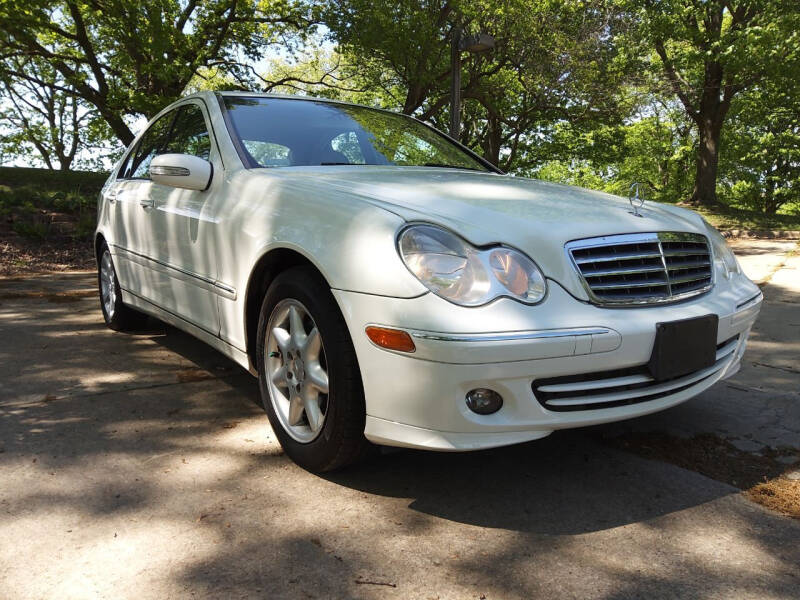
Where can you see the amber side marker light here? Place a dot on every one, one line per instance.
(392, 339)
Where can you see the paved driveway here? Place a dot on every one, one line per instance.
(140, 466)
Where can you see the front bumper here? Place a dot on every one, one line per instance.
(417, 400)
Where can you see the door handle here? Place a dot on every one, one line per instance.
(147, 203)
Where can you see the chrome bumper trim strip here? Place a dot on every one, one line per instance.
(510, 336)
(741, 305)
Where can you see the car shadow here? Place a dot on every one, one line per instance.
(568, 483)
(204, 358)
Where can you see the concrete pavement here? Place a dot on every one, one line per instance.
(141, 466)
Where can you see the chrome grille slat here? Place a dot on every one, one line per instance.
(630, 394)
(684, 253)
(643, 268)
(702, 277)
(625, 271)
(689, 265)
(632, 298)
(627, 284)
(581, 386)
(609, 257)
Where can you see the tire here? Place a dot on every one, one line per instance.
(117, 315)
(299, 370)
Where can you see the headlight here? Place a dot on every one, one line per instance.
(457, 271)
(723, 255)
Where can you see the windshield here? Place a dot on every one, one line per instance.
(280, 132)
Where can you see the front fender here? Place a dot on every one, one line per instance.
(350, 241)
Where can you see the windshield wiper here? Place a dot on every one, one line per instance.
(444, 166)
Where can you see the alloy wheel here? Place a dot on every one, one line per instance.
(296, 369)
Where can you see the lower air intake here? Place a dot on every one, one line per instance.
(592, 391)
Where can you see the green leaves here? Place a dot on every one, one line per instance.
(671, 93)
(133, 57)
(554, 61)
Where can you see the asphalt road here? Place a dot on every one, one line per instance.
(141, 466)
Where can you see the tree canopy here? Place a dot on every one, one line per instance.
(126, 57)
(696, 99)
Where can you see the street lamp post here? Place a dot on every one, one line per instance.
(455, 84)
(472, 43)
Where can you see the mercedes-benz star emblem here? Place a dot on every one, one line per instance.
(636, 199)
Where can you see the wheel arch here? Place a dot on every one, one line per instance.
(271, 264)
(99, 240)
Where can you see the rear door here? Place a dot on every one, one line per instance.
(131, 222)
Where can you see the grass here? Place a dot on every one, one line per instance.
(728, 217)
(32, 201)
(47, 219)
(82, 182)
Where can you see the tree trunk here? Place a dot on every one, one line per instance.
(117, 124)
(771, 203)
(707, 164)
(493, 140)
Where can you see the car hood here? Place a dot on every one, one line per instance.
(535, 216)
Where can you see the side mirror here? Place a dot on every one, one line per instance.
(181, 170)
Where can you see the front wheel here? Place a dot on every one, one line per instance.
(308, 373)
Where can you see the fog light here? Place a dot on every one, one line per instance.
(484, 401)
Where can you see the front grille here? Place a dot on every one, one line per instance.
(643, 268)
(621, 387)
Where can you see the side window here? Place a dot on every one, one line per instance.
(189, 133)
(124, 169)
(151, 144)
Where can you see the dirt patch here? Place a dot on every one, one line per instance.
(782, 495)
(761, 476)
(189, 375)
(19, 255)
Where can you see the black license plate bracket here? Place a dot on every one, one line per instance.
(683, 347)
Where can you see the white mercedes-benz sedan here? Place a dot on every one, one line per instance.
(387, 285)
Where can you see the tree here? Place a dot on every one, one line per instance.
(44, 117)
(710, 51)
(133, 57)
(553, 60)
(558, 64)
(761, 167)
(654, 147)
(401, 47)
